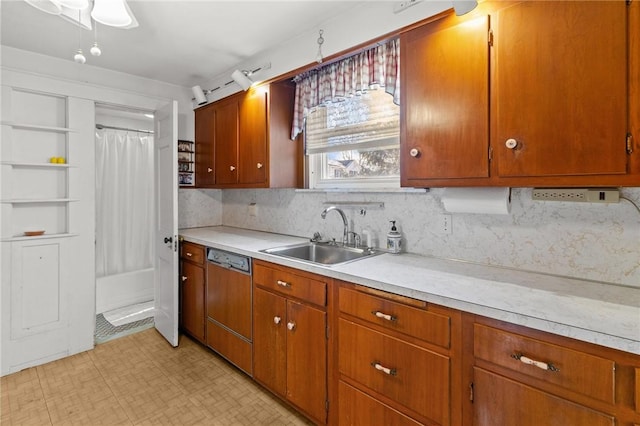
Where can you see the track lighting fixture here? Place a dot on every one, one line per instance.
(242, 78)
(463, 7)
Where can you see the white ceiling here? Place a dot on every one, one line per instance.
(180, 42)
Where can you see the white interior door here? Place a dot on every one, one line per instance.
(166, 199)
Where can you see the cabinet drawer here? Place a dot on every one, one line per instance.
(358, 408)
(192, 252)
(412, 376)
(576, 371)
(500, 401)
(428, 326)
(290, 284)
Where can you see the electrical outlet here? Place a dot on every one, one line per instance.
(402, 5)
(446, 224)
(580, 195)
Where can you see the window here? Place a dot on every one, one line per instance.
(354, 143)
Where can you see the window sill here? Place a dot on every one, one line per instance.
(366, 190)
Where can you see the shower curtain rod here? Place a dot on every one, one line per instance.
(101, 126)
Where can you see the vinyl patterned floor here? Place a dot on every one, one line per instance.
(139, 380)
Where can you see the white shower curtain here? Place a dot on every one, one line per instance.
(124, 201)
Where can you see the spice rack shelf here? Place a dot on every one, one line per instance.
(186, 163)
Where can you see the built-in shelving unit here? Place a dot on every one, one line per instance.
(36, 190)
(186, 156)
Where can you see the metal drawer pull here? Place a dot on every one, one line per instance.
(384, 316)
(189, 254)
(385, 370)
(276, 320)
(291, 325)
(542, 365)
(184, 278)
(283, 283)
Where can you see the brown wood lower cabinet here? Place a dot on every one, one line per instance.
(398, 360)
(192, 290)
(501, 401)
(290, 337)
(526, 377)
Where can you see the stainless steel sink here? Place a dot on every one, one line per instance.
(324, 254)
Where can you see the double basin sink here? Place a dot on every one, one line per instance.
(322, 253)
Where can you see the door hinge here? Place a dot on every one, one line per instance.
(326, 331)
(175, 243)
(490, 37)
(471, 391)
(490, 153)
(629, 143)
(326, 405)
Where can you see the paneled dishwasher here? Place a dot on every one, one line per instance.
(228, 307)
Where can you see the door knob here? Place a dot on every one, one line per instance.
(168, 240)
(291, 325)
(209, 169)
(415, 152)
(232, 168)
(184, 278)
(276, 320)
(259, 165)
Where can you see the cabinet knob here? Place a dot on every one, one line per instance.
(184, 278)
(189, 254)
(291, 325)
(232, 168)
(415, 152)
(259, 165)
(276, 320)
(511, 143)
(209, 169)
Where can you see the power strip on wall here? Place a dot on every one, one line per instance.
(580, 195)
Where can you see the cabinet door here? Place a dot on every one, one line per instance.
(561, 88)
(204, 122)
(501, 401)
(253, 137)
(226, 141)
(445, 92)
(269, 340)
(192, 306)
(307, 359)
(229, 299)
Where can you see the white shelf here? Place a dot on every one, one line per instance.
(39, 128)
(38, 237)
(40, 201)
(40, 165)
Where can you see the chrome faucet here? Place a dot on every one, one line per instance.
(345, 232)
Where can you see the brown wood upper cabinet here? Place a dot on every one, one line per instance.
(523, 94)
(242, 141)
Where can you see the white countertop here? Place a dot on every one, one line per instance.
(601, 313)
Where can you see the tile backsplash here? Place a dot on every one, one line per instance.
(590, 241)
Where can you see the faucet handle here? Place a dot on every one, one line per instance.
(356, 238)
(316, 237)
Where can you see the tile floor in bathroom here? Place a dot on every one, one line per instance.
(140, 379)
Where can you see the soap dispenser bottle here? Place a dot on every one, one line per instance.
(394, 239)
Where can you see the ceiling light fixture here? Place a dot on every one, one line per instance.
(47, 6)
(200, 97)
(114, 13)
(74, 4)
(464, 7)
